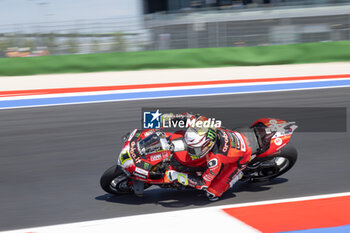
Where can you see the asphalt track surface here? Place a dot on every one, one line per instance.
(52, 158)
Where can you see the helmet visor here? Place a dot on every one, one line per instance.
(198, 152)
(194, 151)
(201, 130)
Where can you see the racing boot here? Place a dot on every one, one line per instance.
(211, 196)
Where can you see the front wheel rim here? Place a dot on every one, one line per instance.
(120, 184)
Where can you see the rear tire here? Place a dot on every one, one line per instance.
(115, 181)
(288, 156)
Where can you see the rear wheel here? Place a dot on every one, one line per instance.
(274, 167)
(115, 181)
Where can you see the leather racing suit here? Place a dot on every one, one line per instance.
(224, 162)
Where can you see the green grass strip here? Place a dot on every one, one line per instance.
(182, 58)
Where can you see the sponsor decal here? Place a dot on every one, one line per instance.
(226, 142)
(273, 122)
(139, 175)
(211, 134)
(164, 154)
(146, 166)
(159, 156)
(231, 181)
(156, 157)
(278, 128)
(141, 171)
(237, 177)
(278, 141)
(214, 174)
(242, 143)
(132, 149)
(208, 177)
(234, 141)
(147, 133)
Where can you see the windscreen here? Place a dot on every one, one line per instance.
(153, 143)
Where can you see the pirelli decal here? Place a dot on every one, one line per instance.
(243, 146)
(234, 141)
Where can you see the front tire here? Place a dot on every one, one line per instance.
(115, 181)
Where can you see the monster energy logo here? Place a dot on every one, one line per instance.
(146, 166)
(211, 134)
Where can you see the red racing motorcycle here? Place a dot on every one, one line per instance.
(148, 154)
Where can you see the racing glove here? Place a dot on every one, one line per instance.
(173, 175)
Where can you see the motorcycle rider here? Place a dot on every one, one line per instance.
(224, 152)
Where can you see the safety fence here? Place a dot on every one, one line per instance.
(160, 31)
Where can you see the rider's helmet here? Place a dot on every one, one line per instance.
(199, 141)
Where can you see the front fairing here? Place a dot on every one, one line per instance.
(138, 165)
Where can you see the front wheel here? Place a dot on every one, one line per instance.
(274, 167)
(115, 181)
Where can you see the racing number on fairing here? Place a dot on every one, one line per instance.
(123, 157)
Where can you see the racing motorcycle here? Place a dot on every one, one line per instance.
(147, 155)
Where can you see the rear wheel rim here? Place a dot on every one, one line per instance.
(281, 163)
